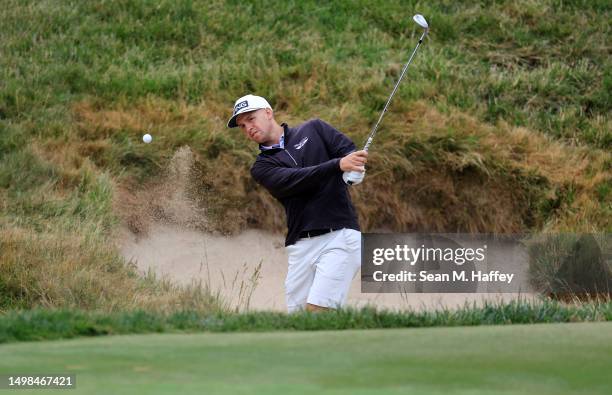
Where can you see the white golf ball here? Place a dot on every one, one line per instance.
(147, 138)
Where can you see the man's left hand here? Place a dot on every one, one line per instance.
(353, 177)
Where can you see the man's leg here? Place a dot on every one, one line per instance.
(300, 274)
(335, 269)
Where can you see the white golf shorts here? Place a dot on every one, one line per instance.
(321, 269)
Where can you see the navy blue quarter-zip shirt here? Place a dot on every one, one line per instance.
(304, 174)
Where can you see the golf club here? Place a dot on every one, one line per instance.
(351, 177)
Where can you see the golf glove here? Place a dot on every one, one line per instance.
(353, 177)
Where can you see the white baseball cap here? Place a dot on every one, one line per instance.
(245, 104)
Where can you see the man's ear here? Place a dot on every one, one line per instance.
(269, 113)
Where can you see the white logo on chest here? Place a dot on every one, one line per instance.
(301, 143)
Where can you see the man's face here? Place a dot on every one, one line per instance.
(257, 125)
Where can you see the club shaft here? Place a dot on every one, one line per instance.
(382, 114)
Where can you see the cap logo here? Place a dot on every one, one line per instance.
(240, 106)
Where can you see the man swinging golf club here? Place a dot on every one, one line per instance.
(302, 167)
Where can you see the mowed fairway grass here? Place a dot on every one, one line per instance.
(514, 359)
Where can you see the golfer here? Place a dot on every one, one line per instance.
(302, 168)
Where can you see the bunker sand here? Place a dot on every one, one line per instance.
(248, 270)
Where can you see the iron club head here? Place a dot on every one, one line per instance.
(421, 21)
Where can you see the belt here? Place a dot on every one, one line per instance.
(315, 232)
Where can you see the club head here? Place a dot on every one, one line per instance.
(421, 21)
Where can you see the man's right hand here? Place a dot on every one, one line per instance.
(355, 161)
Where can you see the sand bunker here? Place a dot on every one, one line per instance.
(248, 270)
(167, 232)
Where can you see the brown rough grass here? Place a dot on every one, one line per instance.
(463, 175)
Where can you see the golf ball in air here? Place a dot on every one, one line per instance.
(147, 138)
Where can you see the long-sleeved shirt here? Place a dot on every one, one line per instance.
(304, 175)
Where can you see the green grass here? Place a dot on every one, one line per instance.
(42, 324)
(523, 359)
(537, 64)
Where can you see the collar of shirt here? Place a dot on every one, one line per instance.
(281, 142)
